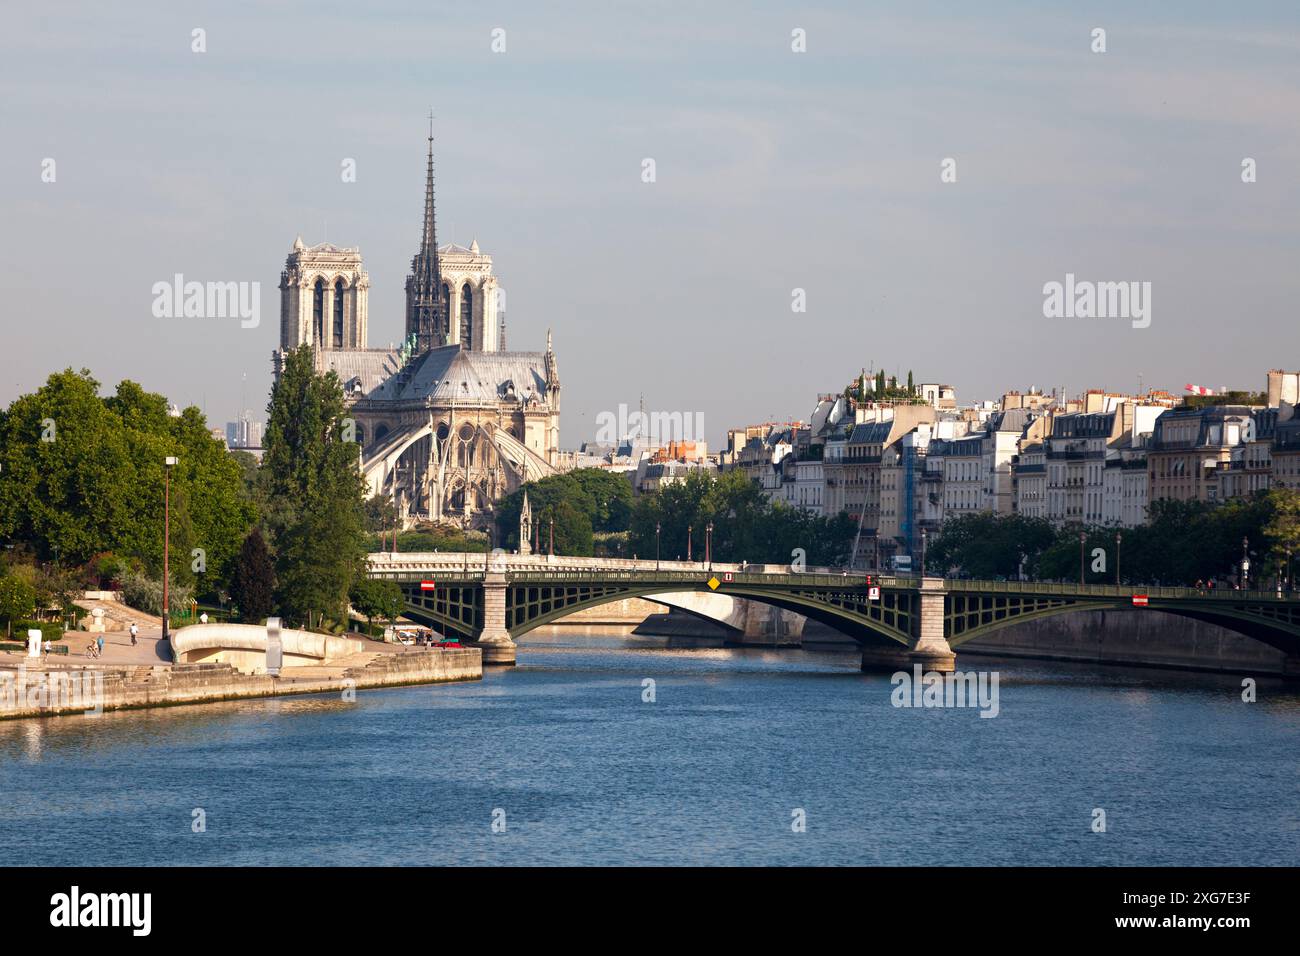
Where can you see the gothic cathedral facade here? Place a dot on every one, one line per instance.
(449, 421)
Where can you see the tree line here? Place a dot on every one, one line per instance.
(1182, 543)
(81, 502)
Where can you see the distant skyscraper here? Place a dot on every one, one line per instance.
(245, 433)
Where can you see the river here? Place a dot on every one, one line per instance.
(743, 756)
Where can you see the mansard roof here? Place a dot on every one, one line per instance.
(869, 433)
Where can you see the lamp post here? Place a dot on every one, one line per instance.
(657, 530)
(1083, 541)
(168, 463)
(1245, 563)
(552, 534)
(1288, 570)
(689, 529)
(708, 545)
(1119, 538)
(924, 536)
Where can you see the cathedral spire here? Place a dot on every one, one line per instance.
(429, 240)
(426, 315)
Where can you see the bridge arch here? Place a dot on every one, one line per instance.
(920, 617)
(1272, 622)
(533, 604)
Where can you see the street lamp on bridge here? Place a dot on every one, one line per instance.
(1119, 538)
(657, 529)
(168, 463)
(708, 545)
(689, 529)
(1083, 541)
(1245, 563)
(924, 535)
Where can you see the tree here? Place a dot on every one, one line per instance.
(1283, 528)
(381, 514)
(572, 529)
(252, 583)
(314, 493)
(17, 600)
(599, 501)
(746, 525)
(987, 545)
(376, 598)
(81, 475)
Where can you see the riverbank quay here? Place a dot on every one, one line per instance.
(48, 688)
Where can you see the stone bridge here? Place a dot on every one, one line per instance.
(492, 600)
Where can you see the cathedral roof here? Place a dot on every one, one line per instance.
(368, 367)
(452, 374)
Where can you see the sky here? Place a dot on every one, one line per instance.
(775, 171)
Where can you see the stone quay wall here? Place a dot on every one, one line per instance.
(51, 691)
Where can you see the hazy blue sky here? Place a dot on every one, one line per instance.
(776, 170)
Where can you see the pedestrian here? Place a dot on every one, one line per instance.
(135, 632)
(99, 644)
(203, 618)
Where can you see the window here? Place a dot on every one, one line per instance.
(445, 319)
(466, 315)
(318, 312)
(338, 313)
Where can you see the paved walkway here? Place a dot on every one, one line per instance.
(117, 650)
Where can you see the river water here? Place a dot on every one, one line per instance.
(743, 756)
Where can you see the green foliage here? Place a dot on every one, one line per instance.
(1183, 542)
(146, 594)
(1282, 529)
(17, 599)
(81, 475)
(314, 493)
(376, 598)
(986, 545)
(252, 584)
(50, 630)
(440, 540)
(581, 502)
(381, 514)
(101, 570)
(1238, 397)
(746, 525)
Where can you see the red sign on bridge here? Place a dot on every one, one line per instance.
(1139, 600)
(428, 585)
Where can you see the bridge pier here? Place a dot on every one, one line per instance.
(929, 647)
(494, 640)
(1291, 668)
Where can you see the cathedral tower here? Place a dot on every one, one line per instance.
(323, 297)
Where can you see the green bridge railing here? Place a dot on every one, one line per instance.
(855, 579)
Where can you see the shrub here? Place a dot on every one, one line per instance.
(49, 631)
(145, 594)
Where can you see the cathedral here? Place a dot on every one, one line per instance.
(448, 422)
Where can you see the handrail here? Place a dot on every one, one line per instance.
(541, 570)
